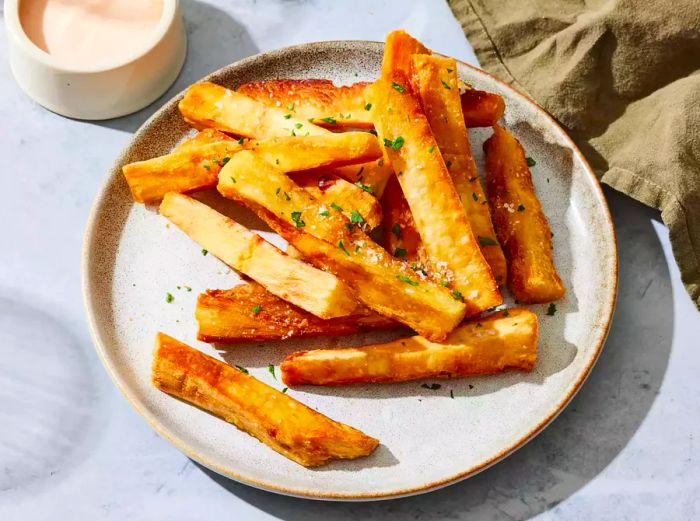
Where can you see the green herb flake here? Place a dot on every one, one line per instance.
(348, 226)
(444, 283)
(530, 161)
(169, 297)
(445, 84)
(551, 310)
(368, 106)
(240, 141)
(233, 180)
(380, 162)
(356, 217)
(365, 187)
(474, 196)
(342, 247)
(284, 391)
(432, 387)
(324, 213)
(521, 208)
(298, 125)
(298, 222)
(207, 167)
(449, 70)
(287, 197)
(256, 309)
(336, 207)
(396, 144)
(188, 288)
(277, 161)
(396, 230)
(224, 161)
(277, 192)
(506, 313)
(457, 295)
(287, 116)
(329, 120)
(242, 369)
(398, 87)
(400, 253)
(486, 241)
(448, 164)
(452, 394)
(204, 252)
(290, 106)
(405, 279)
(271, 370)
(472, 179)
(430, 150)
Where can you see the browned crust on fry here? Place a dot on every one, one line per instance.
(248, 313)
(520, 223)
(481, 108)
(276, 419)
(399, 229)
(501, 341)
(315, 99)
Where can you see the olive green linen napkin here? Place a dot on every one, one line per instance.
(623, 77)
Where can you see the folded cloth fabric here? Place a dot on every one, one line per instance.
(623, 77)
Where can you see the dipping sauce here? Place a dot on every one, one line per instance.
(91, 34)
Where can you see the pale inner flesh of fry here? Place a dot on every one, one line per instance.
(492, 344)
(276, 419)
(316, 291)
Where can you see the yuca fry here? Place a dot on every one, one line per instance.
(195, 164)
(437, 210)
(398, 50)
(314, 290)
(319, 100)
(326, 238)
(276, 419)
(207, 105)
(249, 313)
(332, 190)
(204, 137)
(481, 108)
(521, 226)
(436, 82)
(400, 237)
(488, 345)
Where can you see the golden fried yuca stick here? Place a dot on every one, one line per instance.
(276, 419)
(487, 345)
(204, 137)
(398, 50)
(373, 175)
(319, 100)
(426, 183)
(400, 237)
(207, 105)
(521, 225)
(353, 200)
(248, 313)
(314, 290)
(326, 238)
(481, 108)
(436, 82)
(195, 164)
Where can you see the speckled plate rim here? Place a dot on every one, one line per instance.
(89, 239)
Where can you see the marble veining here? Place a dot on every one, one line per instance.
(72, 448)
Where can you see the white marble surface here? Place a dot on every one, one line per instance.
(628, 447)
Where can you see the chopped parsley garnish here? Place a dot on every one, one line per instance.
(329, 120)
(551, 309)
(342, 247)
(444, 283)
(486, 241)
(287, 197)
(277, 161)
(396, 230)
(298, 125)
(169, 297)
(445, 84)
(521, 208)
(233, 179)
(348, 226)
(242, 369)
(277, 192)
(207, 167)
(432, 387)
(430, 150)
(287, 116)
(365, 187)
(396, 144)
(296, 217)
(256, 309)
(356, 217)
(204, 252)
(452, 394)
(457, 295)
(530, 161)
(405, 279)
(448, 164)
(399, 252)
(474, 196)
(225, 160)
(271, 370)
(472, 179)
(380, 162)
(368, 106)
(284, 391)
(506, 313)
(290, 106)
(398, 87)
(325, 213)
(188, 288)
(336, 207)
(449, 70)
(241, 141)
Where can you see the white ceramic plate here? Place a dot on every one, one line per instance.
(132, 258)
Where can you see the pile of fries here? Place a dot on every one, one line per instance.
(331, 169)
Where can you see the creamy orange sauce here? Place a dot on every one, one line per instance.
(87, 34)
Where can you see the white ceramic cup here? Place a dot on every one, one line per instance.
(99, 93)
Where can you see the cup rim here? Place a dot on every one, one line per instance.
(16, 32)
